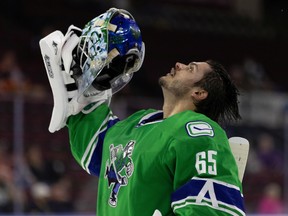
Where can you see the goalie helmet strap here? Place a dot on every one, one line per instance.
(71, 87)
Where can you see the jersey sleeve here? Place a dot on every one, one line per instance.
(86, 134)
(205, 177)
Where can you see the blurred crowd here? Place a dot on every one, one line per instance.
(43, 185)
(14, 80)
(39, 187)
(265, 175)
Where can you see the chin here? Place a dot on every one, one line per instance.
(162, 81)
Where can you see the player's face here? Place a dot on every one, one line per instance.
(182, 77)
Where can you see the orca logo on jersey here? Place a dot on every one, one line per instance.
(199, 128)
(119, 168)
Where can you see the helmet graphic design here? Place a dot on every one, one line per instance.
(110, 51)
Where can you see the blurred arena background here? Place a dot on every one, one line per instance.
(37, 172)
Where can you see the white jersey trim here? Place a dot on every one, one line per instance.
(187, 202)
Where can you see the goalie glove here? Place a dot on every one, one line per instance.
(56, 50)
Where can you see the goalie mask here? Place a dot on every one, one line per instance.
(109, 52)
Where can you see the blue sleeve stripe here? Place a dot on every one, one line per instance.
(211, 191)
(95, 161)
(91, 160)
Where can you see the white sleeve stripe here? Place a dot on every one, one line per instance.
(207, 203)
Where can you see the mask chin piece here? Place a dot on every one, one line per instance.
(111, 73)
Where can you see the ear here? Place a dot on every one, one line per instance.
(199, 94)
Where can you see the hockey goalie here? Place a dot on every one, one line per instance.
(175, 161)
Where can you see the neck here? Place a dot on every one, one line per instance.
(174, 105)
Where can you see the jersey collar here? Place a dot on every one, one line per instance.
(151, 118)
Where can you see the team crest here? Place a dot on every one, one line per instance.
(119, 168)
(199, 128)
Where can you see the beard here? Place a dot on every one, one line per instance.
(174, 86)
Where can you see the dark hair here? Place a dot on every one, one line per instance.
(221, 104)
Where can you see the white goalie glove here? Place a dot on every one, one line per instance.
(56, 50)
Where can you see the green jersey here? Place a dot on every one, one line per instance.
(181, 165)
